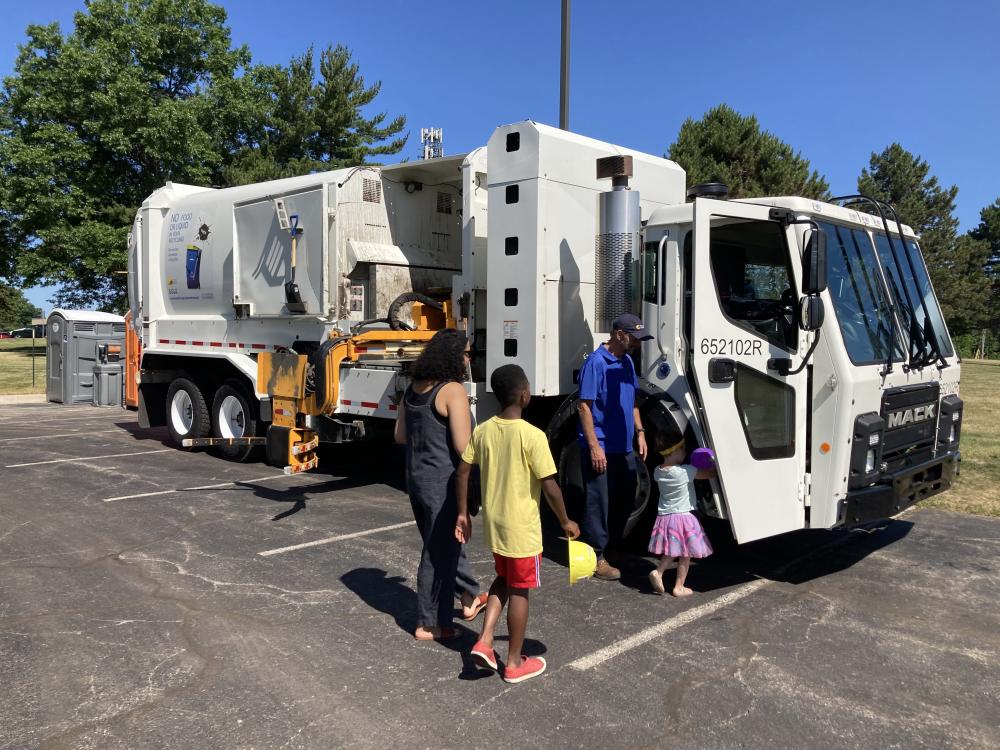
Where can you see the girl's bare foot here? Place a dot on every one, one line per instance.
(682, 591)
(426, 634)
(656, 580)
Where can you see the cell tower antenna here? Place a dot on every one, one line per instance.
(432, 143)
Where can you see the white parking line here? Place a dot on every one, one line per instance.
(655, 631)
(65, 434)
(189, 489)
(684, 618)
(60, 420)
(328, 540)
(87, 458)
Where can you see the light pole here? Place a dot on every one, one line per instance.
(564, 69)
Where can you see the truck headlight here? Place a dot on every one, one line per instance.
(949, 423)
(866, 450)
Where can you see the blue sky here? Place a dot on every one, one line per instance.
(836, 81)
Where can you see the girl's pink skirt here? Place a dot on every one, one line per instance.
(679, 535)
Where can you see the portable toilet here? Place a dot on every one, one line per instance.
(79, 342)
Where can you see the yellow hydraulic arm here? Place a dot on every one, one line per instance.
(282, 376)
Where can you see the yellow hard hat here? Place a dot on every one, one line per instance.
(582, 561)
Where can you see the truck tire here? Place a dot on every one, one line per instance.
(658, 412)
(571, 483)
(234, 415)
(187, 414)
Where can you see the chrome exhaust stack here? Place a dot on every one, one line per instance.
(617, 247)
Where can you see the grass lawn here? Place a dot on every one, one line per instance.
(16, 359)
(978, 488)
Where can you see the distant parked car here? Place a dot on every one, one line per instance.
(5, 335)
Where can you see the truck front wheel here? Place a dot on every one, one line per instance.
(234, 416)
(187, 414)
(634, 515)
(628, 511)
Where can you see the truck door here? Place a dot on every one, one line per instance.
(743, 318)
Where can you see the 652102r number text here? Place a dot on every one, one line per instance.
(731, 347)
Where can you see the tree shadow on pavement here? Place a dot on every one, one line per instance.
(297, 496)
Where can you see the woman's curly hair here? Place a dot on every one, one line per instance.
(442, 358)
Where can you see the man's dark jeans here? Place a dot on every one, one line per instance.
(605, 519)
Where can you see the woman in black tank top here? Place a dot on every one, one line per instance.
(435, 423)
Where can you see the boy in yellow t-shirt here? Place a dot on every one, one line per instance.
(515, 465)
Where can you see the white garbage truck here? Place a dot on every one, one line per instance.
(801, 340)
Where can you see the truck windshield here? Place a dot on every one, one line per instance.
(859, 297)
(912, 294)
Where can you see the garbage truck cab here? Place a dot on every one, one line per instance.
(807, 346)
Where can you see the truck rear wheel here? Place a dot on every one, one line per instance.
(234, 415)
(187, 414)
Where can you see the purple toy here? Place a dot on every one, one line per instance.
(703, 458)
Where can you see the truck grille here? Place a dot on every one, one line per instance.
(911, 418)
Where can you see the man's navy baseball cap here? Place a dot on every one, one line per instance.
(631, 324)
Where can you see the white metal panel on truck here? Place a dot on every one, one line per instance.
(543, 199)
(264, 250)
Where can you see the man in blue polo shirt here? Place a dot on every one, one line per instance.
(609, 421)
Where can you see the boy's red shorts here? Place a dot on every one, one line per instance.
(520, 572)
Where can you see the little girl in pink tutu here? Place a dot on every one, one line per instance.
(676, 533)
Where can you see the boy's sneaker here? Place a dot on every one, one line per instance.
(484, 656)
(531, 666)
(606, 571)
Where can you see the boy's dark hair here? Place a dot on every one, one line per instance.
(507, 382)
(442, 359)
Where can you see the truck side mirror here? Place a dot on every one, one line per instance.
(811, 313)
(814, 263)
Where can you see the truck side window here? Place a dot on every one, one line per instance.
(767, 413)
(649, 272)
(753, 278)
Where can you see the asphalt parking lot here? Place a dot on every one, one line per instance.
(151, 598)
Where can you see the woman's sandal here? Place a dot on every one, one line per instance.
(478, 605)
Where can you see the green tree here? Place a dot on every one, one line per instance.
(988, 231)
(15, 310)
(724, 146)
(140, 92)
(145, 91)
(316, 123)
(956, 264)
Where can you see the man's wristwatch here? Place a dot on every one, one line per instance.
(640, 429)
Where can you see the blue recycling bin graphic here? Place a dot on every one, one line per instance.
(193, 267)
